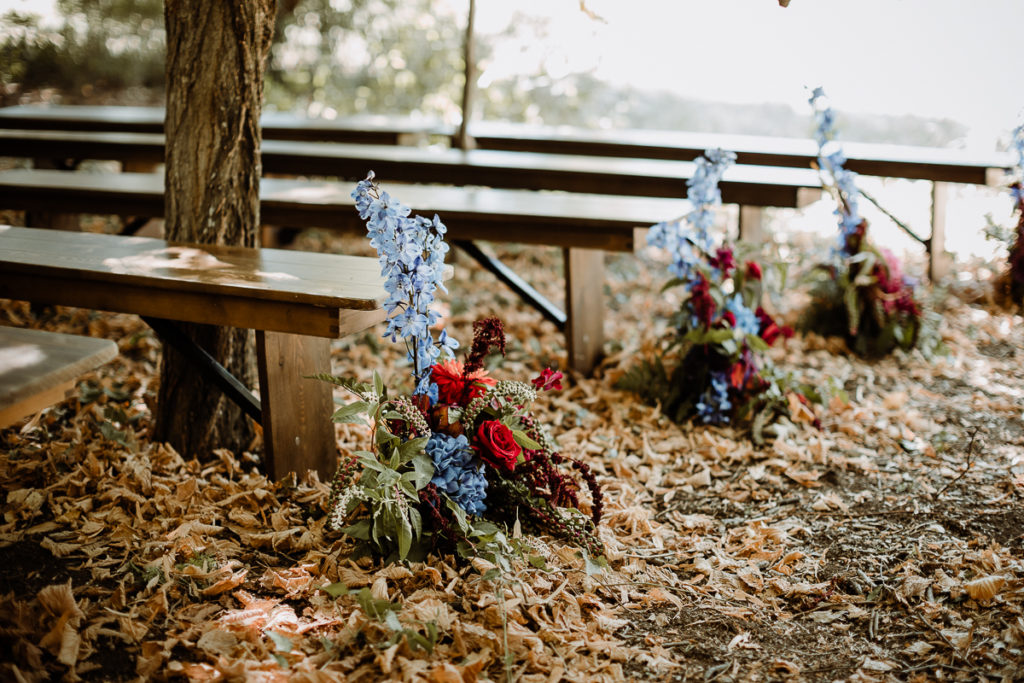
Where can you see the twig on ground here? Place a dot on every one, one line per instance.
(967, 468)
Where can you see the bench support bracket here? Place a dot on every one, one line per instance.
(521, 287)
(171, 334)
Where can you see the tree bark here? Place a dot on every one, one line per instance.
(216, 53)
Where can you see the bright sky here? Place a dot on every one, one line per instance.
(952, 58)
(930, 57)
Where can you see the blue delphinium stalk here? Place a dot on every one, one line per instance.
(714, 404)
(411, 252)
(455, 473)
(832, 159)
(681, 236)
(1017, 145)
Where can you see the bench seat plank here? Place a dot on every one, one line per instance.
(887, 160)
(272, 289)
(38, 369)
(556, 219)
(366, 129)
(751, 185)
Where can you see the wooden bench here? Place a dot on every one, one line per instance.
(584, 225)
(39, 369)
(753, 185)
(295, 301)
(367, 129)
(938, 165)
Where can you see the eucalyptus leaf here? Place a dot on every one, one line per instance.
(281, 643)
(360, 530)
(411, 448)
(335, 590)
(404, 537)
(392, 622)
(351, 413)
(756, 343)
(523, 440)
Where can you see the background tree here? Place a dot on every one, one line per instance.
(216, 53)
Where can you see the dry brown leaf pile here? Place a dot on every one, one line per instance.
(880, 548)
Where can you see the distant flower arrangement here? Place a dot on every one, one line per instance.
(462, 459)
(862, 293)
(1010, 284)
(713, 367)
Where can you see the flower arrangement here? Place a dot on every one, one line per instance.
(862, 293)
(713, 367)
(461, 459)
(1010, 284)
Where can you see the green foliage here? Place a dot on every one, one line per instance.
(359, 56)
(102, 45)
(390, 57)
(654, 384)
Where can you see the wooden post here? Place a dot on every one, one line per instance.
(938, 259)
(752, 224)
(462, 138)
(584, 307)
(298, 434)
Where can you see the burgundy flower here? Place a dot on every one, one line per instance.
(723, 260)
(547, 380)
(753, 270)
(703, 304)
(488, 335)
(497, 445)
(730, 318)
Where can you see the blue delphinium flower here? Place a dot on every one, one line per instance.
(411, 252)
(746, 319)
(455, 472)
(714, 404)
(686, 238)
(1017, 145)
(832, 160)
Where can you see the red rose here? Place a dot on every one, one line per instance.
(753, 270)
(454, 387)
(497, 445)
(730, 318)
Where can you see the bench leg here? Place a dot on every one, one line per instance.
(752, 224)
(298, 434)
(50, 219)
(938, 259)
(584, 307)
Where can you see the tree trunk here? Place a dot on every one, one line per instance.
(216, 52)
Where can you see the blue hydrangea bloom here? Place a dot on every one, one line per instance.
(746, 319)
(456, 474)
(686, 238)
(411, 251)
(714, 404)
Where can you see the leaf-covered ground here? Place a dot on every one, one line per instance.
(887, 546)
